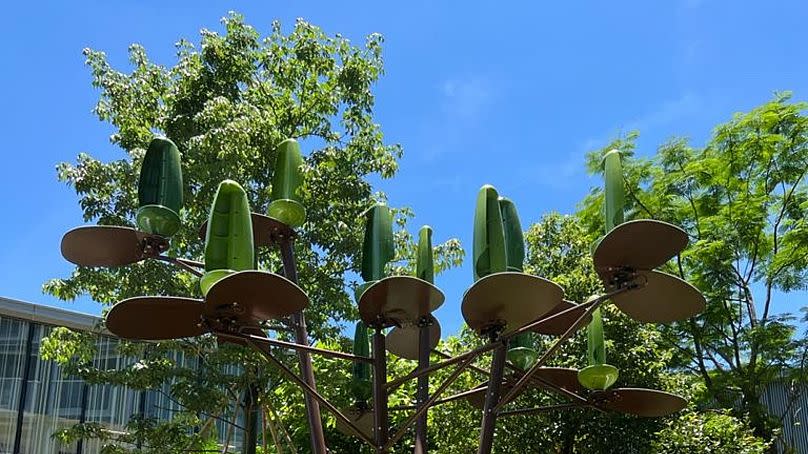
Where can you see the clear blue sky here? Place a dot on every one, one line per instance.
(510, 95)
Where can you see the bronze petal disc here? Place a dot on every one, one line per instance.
(559, 325)
(643, 244)
(265, 230)
(404, 341)
(156, 318)
(562, 377)
(509, 299)
(103, 245)
(398, 300)
(664, 298)
(253, 296)
(648, 403)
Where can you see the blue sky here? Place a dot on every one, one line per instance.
(509, 95)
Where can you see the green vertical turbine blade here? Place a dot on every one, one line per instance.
(229, 238)
(424, 266)
(615, 197)
(599, 375)
(378, 247)
(514, 240)
(360, 380)
(595, 345)
(159, 190)
(286, 181)
(489, 236)
(521, 352)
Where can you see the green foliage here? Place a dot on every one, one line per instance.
(713, 432)
(742, 199)
(145, 436)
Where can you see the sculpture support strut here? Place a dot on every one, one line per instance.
(301, 337)
(556, 345)
(380, 422)
(422, 392)
(305, 387)
(492, 397)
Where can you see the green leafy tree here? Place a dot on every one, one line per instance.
(227, 103)
(714, 432)
(742, 199)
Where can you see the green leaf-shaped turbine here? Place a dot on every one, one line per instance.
(286, 180)
(489, 236)
(614, 191)
(599, 375)
(378, 247)
(159, 189)
(360, 378)
(424, 266)
(229, 238)
(521, 352)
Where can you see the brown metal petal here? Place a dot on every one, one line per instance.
(647, 403)
(403, 341)
(362, 418)
(398, 300)
(640, 245)
(562, 377)
(509, 299)
(664, 298)
(102, 245)
(248, 297)
(156, 318)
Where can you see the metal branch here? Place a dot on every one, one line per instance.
(541, 381)
(442, 401)
(530, 326)
(188, 265)
(550, 351)
(428, 403)
(426, 370)
(528, 411)
(308, 389)
(292, 345)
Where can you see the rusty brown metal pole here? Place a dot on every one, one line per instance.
(380, 420)
(317, 436)
(422, 392)
(492, 398)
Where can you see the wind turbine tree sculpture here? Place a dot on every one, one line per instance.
(504, 305)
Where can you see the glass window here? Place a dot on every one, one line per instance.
(44, 413)
(13, 337)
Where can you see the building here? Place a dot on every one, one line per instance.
(37, 399)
